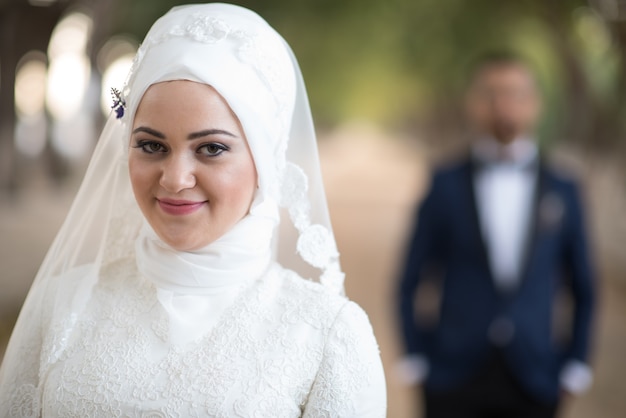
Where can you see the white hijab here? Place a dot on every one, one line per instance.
(252, 67)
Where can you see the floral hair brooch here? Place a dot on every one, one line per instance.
(119, 104)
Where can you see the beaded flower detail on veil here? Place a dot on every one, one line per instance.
(119, 104)
(316, 244)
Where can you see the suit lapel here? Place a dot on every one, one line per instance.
(534, 226)
(470, 178)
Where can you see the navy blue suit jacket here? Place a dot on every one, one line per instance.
(448, 236)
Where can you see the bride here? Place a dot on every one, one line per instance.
(165, 293)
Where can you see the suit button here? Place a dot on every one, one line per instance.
(501, 331)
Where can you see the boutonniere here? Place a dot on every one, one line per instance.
(551, 211)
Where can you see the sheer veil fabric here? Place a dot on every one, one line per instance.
(254, 69)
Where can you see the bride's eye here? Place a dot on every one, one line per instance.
(213, 149)
(150, 147)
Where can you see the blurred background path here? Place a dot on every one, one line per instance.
(373, 183)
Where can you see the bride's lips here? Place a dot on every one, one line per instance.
(179, 207)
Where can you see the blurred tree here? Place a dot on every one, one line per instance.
(403, 63)
(23, 27)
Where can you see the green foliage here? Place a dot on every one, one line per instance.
(393, 60)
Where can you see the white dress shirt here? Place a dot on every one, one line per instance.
(505, 187)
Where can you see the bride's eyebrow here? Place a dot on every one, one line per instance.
(194, 135)
(149, 131)
(208, 132)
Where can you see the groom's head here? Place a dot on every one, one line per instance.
(503, 100)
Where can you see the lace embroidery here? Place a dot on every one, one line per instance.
(316, 244)
(57, 341)
(350, 351)
(294, 195)
(200, 28)
(122, 233)
(160, 326)
(25, 402)
(286, 348)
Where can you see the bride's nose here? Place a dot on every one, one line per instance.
(178, 174)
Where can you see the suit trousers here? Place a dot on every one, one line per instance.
(492, 393)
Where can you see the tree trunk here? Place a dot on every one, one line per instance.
(8, 62)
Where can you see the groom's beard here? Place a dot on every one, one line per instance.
(505, 131)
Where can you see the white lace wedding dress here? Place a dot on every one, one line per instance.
(117, 324)
(285, 347)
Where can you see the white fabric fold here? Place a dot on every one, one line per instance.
(195, 288)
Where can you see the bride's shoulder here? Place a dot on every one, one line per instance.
(311, 299)
(295, 285)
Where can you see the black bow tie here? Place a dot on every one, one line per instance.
(524, 164)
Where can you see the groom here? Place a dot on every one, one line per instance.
(504, 234)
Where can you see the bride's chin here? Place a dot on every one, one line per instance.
(181, 241)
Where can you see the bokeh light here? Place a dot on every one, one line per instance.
(70, 36)
(69, 76)
(114, 61)
(73, 138)
(30, 84)
(30, 92)
(31, 135)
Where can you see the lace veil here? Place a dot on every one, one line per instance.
(252, 67)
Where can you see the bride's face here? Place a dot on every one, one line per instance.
(190, 165)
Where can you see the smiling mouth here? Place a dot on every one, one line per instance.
(179, 207)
